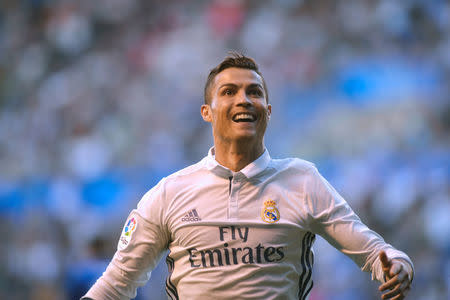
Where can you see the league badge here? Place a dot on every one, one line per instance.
(270, 212)
(127, 232)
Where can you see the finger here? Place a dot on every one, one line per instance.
(403, 276)
(385, 262)
(399, 291)
(397, 279)
(400, 278)
(389, 285)
(398, 297)
(395, 269)
(394, 292)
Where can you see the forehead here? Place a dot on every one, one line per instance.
(237, 76)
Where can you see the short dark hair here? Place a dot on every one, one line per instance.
(233, 60)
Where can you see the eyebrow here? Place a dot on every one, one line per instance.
(235, 85)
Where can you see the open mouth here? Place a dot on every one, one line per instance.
(244, 117)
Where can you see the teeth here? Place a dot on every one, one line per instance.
(243, 116)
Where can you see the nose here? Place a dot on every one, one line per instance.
(243, 99)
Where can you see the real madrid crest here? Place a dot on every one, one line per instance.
(270, 213)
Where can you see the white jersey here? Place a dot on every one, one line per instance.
(238, 235)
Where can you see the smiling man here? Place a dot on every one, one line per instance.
(239, 224)
(236, 105)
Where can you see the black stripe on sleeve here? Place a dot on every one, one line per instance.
(308, 290)
(170, 287)
(307, 261)
(302, 258)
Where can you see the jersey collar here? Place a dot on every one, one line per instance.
(251, 170)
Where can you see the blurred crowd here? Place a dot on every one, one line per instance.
(101, 99)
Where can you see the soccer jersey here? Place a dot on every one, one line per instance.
(238, 235)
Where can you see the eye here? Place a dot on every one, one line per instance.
(255, 92)
(227, 92)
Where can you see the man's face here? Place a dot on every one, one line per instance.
(238, 110)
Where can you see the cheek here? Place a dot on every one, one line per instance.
(221, 113)
(219, 119)
(265, 114)
(264, 120)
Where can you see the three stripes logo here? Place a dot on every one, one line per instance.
(191, 216)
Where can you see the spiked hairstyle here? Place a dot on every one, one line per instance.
(233, 60)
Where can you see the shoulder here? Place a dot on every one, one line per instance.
(292, 171)
(188, 171)
(190, 174)
(293, 164)
(174, 180)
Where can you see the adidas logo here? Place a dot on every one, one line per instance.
(191, 216)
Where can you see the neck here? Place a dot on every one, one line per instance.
(236, 156)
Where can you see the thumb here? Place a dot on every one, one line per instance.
(385, 262)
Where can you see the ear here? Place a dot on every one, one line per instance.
(269, 111)
(206, 112)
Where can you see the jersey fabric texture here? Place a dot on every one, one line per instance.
(238, 235)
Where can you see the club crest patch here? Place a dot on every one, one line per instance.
(270, 212)
(127, 233)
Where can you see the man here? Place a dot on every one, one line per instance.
(238, 224)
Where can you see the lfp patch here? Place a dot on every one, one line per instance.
(127, 233)
(270, 212)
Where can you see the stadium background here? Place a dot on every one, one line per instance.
(100, 99)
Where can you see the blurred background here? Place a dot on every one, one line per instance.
(101, 99)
